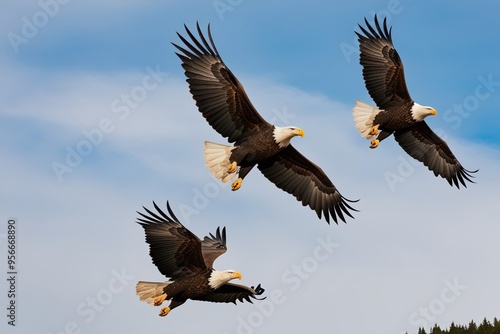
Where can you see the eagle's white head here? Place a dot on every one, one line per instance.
(419, 112)
(282, 136)
(219, 278)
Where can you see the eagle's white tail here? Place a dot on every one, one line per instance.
(217, 159)
(364, 114)
(148, 291)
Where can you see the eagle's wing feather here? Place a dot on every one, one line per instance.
(383, 70)
(174, 249)
(219, 95)
(420, 142)
(292, 172)
(213, 246)
(231, 293)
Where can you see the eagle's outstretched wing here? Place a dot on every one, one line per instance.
(219, 95)
(292, 172)
(231, 293)
(173, 248)
(383, 70)
(213, 246)
(420, 142)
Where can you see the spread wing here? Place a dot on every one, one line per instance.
(213, 246)
(292, 172)
(219, 95)
(383, 70)
(230, 293)
(420, 142)
(173, 248)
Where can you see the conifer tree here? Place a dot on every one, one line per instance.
(436, 330)
(421, 330)
(496, 326)
(472, 329)
(454, 329)
(485, 327)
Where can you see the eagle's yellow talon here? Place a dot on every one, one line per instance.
(374, 130)
(232, 167)
(374, 143)
(236, 184)
(160, 299)
(164, 311)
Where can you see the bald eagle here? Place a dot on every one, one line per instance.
(222, 101)
(396, 112)
(187, 261)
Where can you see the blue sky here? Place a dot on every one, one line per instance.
(419, 252)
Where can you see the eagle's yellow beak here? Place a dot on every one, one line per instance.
(299, 132)
(238, 275)
(434, 112)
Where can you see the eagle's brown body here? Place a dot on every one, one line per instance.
(395, 117)
(189, 287)
(254, 149)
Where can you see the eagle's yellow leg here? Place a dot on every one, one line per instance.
(232, 167)
(236, 184)
(374, 130)
(160, 299)
(164, 311)
(374, 143)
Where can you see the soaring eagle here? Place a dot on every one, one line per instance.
(187, 261)
(397, 113)
(221, 99)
